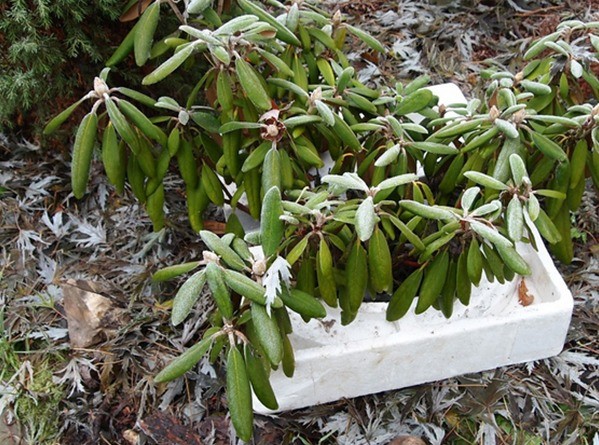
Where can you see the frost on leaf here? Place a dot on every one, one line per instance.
(279, 270)
(56, 225)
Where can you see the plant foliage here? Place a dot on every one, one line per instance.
(418, 208)
(38, 41)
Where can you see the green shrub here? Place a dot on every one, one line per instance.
(47, 49)
(415, 210)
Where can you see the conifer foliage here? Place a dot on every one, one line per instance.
(46, 47)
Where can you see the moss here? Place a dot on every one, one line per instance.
(38, 408)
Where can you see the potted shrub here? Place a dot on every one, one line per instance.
(417, 212)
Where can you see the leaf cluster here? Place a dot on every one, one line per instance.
(418, 201)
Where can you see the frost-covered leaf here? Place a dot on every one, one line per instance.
(93, 235)
(51, 333)
(278, 272)
(46, 269)
(71, 374)
(26, 240)
(366, 219)
(347, 181)
(40, 187)
(56, 225)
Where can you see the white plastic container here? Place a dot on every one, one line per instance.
(372, 355)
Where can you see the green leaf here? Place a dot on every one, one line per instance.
(187, 296)
(184, 362)
(136, 95)
(58, 120)
(366, 219)
(169, 65)
(426, 211)
(278, 63)
(170, 272)
(486, 180)
(507, 128)
(283, 32)
(271, 226)
(256, 157)
(551, 194)
(124, 48)
(285, 84)
(434, 147)
(218, 246)
(303, 303)
(548, 147)
(141, 121)
(268, 334)
(518, 169)
(396, 181)
(347, 181)
(491, 234)
(235, 125)
(144, 34)
(537, 88)
(325, 112)
(251, 85)
(304, 119)
(388, 157)
(576, 68)
(239, 395)
(235, 25)
(122, 125)
(366, 38)
(198, 6)
(491, 207)
(414, 102)
(515, 219)
(83, 149)
(469, 197)
(513, 260)
(297, 250)
(408, 233)
(459, 128)
(404, 295)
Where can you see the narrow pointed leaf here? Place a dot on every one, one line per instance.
(169, 65)
(144, 35)
(187, 296)
(184, 362)
(83, 149)
(366, 219)
(271, 226)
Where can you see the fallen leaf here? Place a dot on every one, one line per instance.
(90, 316)
(524, 297)
(10, 432)
(135, 10)
(217, 227)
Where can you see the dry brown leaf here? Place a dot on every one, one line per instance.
(524, 297)
(135, 10)
(220, 228)
(90, 316)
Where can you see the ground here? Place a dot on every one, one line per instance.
(103, 393)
